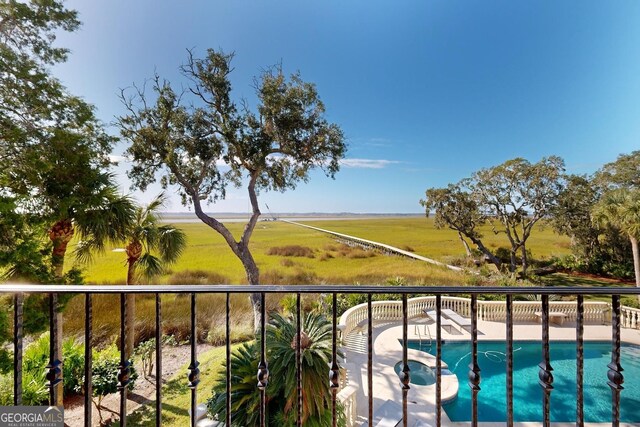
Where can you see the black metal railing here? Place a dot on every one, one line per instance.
(54, 368)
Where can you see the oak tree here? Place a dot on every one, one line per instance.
(183, 138)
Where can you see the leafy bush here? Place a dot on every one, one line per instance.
(105, 374)
(36, 358)
(145, 351)
(292, 251)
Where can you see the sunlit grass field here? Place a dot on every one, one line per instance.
(207, 251)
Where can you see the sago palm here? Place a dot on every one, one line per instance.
(315, 348)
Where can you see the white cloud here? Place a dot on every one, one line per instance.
(117, 159)
(367, 163)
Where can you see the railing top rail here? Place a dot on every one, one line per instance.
(313, 289)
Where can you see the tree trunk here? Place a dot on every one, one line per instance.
(134, 252)
(636, 260)
(494, 259)
(465, 244)
(525, 261)
(512, 266)
(253, 277)
(60, 235)
(130, 312)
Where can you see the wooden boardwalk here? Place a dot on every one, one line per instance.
(376, 245)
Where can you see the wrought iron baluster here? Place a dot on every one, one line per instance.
(124, 370)
(509, 361)
(405, 376)
(263, 369)
(54, 368)
(438, 361)
(580, 361)
(545, 374)
(370, 357)
(228, 358)
(299, 358)
(616, 379)
(88, 359)
(474, 369)
(194, 371)
(158, 360)
(18, 334)
(334, 374)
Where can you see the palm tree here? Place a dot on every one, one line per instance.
(282, 396)
(620, 209)
(150, 247)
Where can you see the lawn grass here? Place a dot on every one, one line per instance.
(176, 395)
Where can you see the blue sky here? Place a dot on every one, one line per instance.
(426, 91)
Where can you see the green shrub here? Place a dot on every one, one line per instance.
(36, 358)
(105, 375)
(145, 351)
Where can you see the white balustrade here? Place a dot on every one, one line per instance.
(597, 312)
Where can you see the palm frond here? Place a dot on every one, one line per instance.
(149, 266)
(171, 243)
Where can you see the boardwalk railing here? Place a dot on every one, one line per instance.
(362, 316)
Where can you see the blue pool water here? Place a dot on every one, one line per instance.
(527, 394)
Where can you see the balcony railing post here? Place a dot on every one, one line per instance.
(158, 360)
(405, 377)
(124, 370)
(545, 373)
(194, 372)
(580, 360)
(88, 359)
(18, 309)
(228, 358)
(438, 361)
(474, 369)
(263, 369)
(614, 374)
(299, 358)
(54, 368)
(509, 321)
(370, 358)
(334, 374)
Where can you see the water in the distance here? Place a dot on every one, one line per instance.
(527, 394)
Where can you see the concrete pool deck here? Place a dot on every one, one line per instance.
(387, 351)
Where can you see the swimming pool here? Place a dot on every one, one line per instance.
(527, 394)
